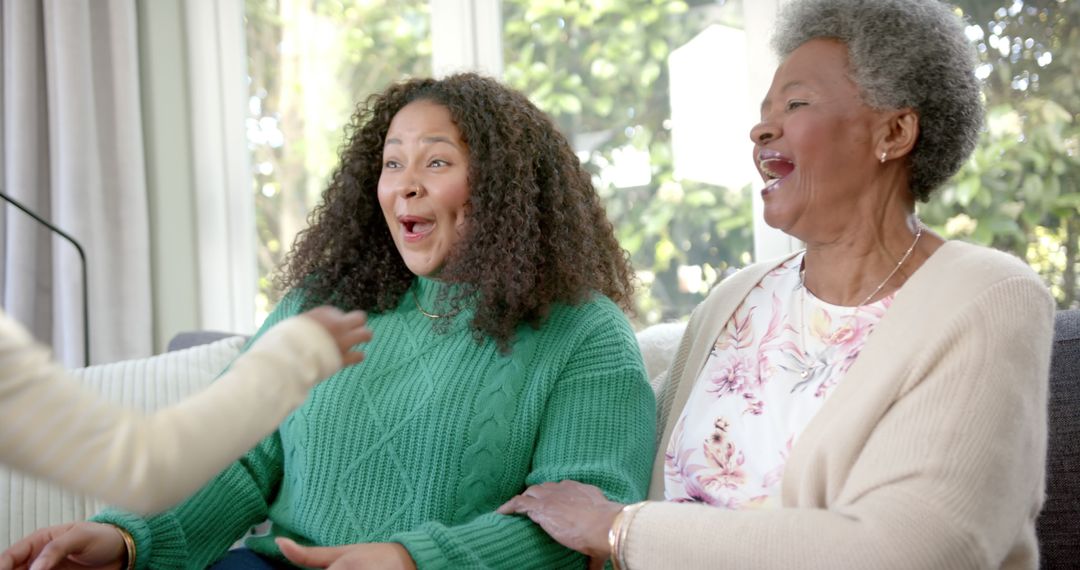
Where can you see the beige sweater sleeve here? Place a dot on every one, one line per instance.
(949, 477)
(51, 427)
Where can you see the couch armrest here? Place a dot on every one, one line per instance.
(658, 344)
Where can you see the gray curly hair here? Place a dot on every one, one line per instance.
(903, 53)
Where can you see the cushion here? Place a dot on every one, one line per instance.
(659, 343)
(1059, 524)
(27, 504)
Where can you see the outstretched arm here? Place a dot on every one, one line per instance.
(51, 427)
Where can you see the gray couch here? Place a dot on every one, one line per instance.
(1059, 523)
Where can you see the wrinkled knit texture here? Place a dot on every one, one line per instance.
(929, 453)
(424, 439)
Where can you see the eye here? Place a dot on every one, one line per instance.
(391, 164)
(438, 163)
(795, 104)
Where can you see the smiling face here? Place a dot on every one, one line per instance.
(815, 144)
(424, 185)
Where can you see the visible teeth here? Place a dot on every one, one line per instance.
(766, 167)
(422, 227)
(772, 182)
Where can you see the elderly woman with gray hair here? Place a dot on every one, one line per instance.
(877, 400)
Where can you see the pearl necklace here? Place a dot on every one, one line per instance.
(807, 369)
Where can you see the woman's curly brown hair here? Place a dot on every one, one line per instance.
(536, 233)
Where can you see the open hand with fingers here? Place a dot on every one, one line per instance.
(83, 545)
(367, 556)
(348, 329)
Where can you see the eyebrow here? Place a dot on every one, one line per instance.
(787, 87)
(427, 140)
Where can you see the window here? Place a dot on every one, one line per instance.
(1020, 191)
(309, 63)
(657, 97)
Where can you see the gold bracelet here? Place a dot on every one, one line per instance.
(620, 528)
(129, 546)
(612, 537)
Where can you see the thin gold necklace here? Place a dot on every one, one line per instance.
(433, 316)
(802, 300)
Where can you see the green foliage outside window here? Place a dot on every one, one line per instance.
(1020, 191)
(600, 69)
(601, 65)
(309, 63)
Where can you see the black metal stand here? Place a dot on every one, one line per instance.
(82, 257)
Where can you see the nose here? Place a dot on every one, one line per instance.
(764, 132)
(411, 189)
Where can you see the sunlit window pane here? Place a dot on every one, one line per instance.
(653, 101)
(310, 62)
(1020, 191)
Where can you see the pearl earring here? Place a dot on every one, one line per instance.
(881, 159)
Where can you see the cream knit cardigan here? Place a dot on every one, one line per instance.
(929, 454)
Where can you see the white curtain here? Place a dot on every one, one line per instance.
(73, 151)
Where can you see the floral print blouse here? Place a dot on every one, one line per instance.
(771, 369)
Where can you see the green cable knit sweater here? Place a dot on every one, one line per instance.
(424, 439)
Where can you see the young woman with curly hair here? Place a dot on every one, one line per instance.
(462, 222)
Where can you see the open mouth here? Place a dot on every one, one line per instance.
(415, 226)
(774, 167)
